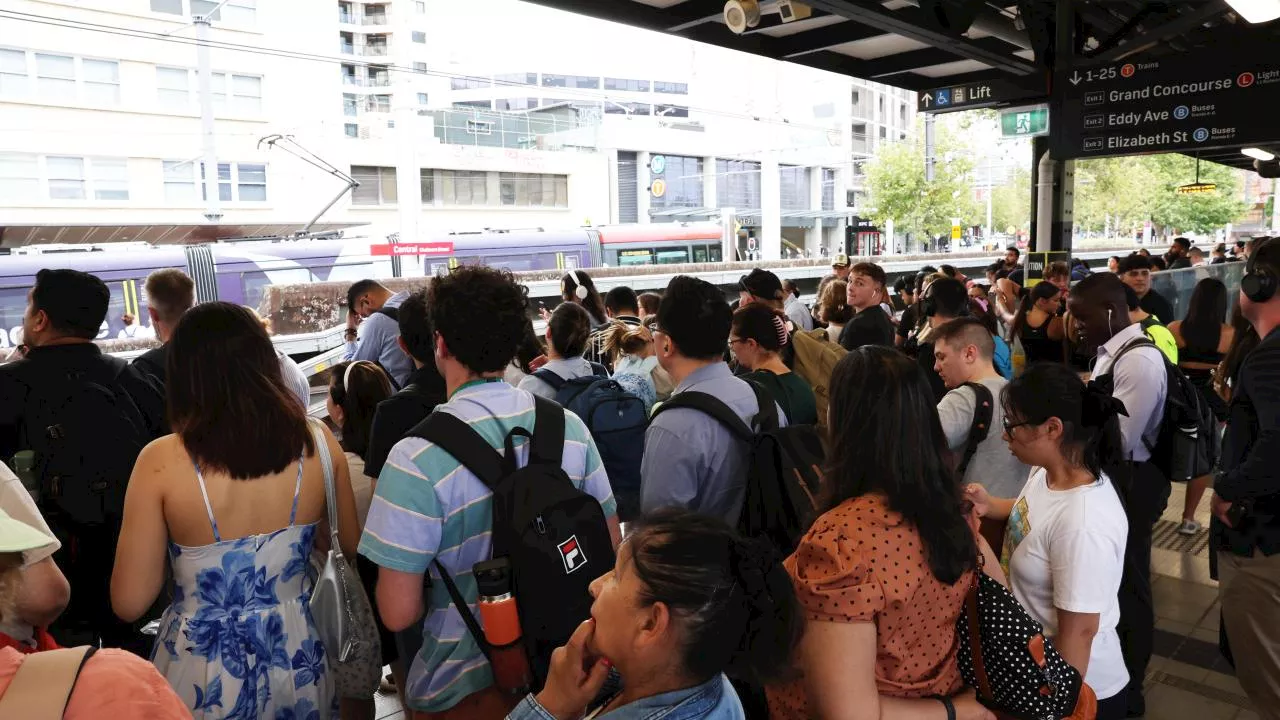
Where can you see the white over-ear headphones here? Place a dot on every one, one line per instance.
(580, 291)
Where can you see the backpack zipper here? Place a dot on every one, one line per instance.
(540, 525)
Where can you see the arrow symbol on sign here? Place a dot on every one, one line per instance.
(1075, 78)
(928, 98)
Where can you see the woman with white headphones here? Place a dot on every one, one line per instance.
(578, 287)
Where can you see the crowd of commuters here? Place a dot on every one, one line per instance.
(209, 506)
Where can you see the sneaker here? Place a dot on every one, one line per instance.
(1189, 527)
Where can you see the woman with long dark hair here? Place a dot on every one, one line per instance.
(1038, 325)
(578, 287)
(882, 575)
(757, 337)
(689, 602)
(1203, 338)
(231, 504)
(1065, 539)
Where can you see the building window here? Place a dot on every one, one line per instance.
(684, 183)
(173, 88)
(237, 182)
(671, 88)
(517, 79)
(738, 184)
(239, 12)
(479, 127)
(515, 104)
(110, 178)
(420, 6)
(56, 76)
(350, 108)
(171, 7)
(174, 91)
(13, 73)
(532, 190)
(378, 103)
(573, 81)
(625, 84)
(101, 81)
(793, 188)
(66, 177)
(419, 37)
(377, 185)
(671, 111)
(828, 189)
(422, 98)
(246, 94)
(19, 178)
(420, 67)
(179, 181)
(351, 130)
(468, 83)
(627, 108)
(463, 187)
(474, 104)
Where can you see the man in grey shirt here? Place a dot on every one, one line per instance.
(374, 310)
(690, 459)
(962, 351)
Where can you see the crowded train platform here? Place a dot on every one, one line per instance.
(1031, 495)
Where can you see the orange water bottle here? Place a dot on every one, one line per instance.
(501, 621)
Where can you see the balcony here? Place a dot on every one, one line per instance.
(374, 19)
(346, 48)
(373, 50)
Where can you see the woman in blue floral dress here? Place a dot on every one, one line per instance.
(232, 502)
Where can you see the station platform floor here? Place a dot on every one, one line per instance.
(1187, 679)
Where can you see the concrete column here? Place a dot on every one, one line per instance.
(835, 237)
(813, 235)
(642, 187)
(404, 111)
(770, 209)
(710, 182)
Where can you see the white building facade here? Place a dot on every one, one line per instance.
(446, 119)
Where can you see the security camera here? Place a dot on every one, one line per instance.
(791, 10)
(741, 14)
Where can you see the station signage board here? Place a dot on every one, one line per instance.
(434, 248)
(1037, 262)
(977, 95)
(1024, 122)
(1179, 104)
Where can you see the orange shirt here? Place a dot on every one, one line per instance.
(860, 562)
(113, 684)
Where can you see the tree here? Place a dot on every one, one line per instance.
(899, 192)
(1112, 194)
(1200, 213)
(1011, 203)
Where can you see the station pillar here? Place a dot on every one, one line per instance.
(770, 209)
(1052, 199)
(643, 192)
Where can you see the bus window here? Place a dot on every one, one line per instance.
(635, 257)
(672, 256)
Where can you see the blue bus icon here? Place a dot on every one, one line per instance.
(1200, 135)
(1181, 112)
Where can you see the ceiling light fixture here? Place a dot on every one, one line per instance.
(1256, 11)
(1258, 154)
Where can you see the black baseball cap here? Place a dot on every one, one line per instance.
(762, 284)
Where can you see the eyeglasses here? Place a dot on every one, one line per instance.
(1010, 427)
(735, 341)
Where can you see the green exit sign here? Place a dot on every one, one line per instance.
(1024, 122)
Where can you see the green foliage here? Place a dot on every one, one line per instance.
(898, 190)
(1121, 193)
(1011, 203)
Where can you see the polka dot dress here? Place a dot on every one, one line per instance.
(860, 562)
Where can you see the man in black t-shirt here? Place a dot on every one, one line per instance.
(870, 324)
(1135, 271)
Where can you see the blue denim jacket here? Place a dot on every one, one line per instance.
(712, 700)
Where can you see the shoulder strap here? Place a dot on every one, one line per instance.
(466, 446)
(598, 370)
(548, 432)
(766, 409)
(42, 687)
(1140, 342)
(983, 411)
(709, 405)
(555, 381)
(468, 619)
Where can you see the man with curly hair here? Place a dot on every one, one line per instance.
(427, 506)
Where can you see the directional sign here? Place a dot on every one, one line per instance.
(1197, 189)
(436, 248)
(977, 95)
(1177, 104)
(1038, 262)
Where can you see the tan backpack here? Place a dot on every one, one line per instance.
(813, 357)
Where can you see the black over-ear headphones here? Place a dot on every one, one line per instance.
(1258, 284)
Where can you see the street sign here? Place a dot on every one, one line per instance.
(658, 164)
(434, 248)
(1172, 104)
(977, 95)
(1197, 188)
(658, 188)
(955, 232)
(1024, 122)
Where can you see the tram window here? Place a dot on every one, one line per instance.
(700, 253)
(673, 256)
(714, 254)
(635, 257)
(254, 283)
(13, 304)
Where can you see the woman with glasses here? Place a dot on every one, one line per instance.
(1065, 539)
(757, 337)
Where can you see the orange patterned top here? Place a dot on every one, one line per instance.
(860, 562)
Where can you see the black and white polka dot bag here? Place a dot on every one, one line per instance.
(1014, 668)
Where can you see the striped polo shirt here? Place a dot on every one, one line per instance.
(428, 506)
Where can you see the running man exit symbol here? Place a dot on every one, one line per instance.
(1023, 123)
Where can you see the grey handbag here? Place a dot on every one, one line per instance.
(339, 606)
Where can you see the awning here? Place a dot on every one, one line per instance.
(21, 235)
(678, 212)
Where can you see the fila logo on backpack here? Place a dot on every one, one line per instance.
(571, 554)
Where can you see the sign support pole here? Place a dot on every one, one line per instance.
(1063, 179)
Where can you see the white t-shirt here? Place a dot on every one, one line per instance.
(1064, 549)
(18, 504)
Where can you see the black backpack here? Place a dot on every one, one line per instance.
(617, 421)
(1186, 447)
(983, 412)
(784, 467)
(555, 535)
(85, 433)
